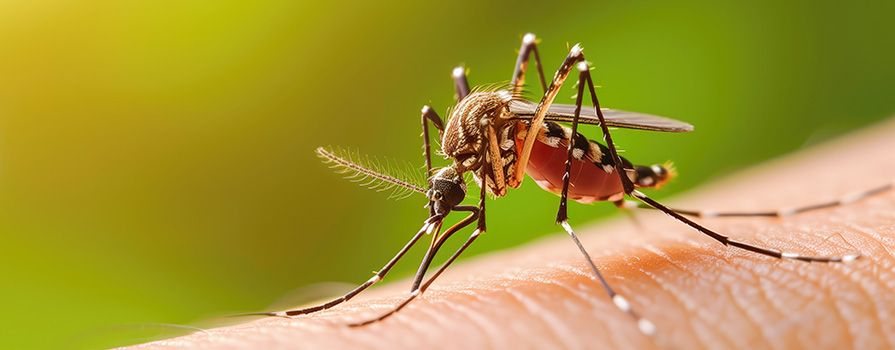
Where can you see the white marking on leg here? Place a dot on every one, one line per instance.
(646, 326)
(476, 233)
(458, 72)
(565, 225)
(582, 66)
(426, 109)
(850, 257)
(374, 279)
(415, 292)
(708, 213)
(621, 303)
(786, 212)
(638, 194)
(576, 50)
(788, 255)
(528, 39)
(280, 314)
(628, 204)
(851, 198)
(430, 229)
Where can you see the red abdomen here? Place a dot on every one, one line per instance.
(588, 181)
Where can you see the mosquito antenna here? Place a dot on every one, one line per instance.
(370, 172)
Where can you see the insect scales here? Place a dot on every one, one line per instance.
(498, 137)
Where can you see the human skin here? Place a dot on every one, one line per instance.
(699, 293)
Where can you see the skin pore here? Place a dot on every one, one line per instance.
(698, 293)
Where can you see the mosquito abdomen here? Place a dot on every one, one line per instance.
(592, 177)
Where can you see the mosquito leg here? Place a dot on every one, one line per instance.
(742, 245)
(438, 241)
(783, 212)
(537, 121)
(432, 221)
(424, 286)
(562, 218)
(629, 189)
(429, 116)
(529, 47)
(461, 85)
(480, 229)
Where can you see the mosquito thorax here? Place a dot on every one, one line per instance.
(446, 190)
(481, 126)
(463, 136)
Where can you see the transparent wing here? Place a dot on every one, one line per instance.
(614, 117)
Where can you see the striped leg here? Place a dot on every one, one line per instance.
(537, 121)
(438, 241)
(429, 116)
(478, 215)
(461, 85)
(643, 324)
(428, 226)
(529, 47)
(783, 212)
(629, 189)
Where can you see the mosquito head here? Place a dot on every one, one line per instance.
(446, 190)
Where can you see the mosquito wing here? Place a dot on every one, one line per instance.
(614, 117)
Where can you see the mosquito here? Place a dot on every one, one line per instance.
(498, 137)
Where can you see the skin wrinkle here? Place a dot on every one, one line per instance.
(549, 320)
(758, 282)
(552, 321)
(516, 303)
(687, 305)
(825, 288)
(861, 286)
(489, 330)
(806, 298)
(728, 289)
(752, 272)
(703, 313)
(663, 286)
(777, 284)
(871, 235)
(691, 328)
(583, 291)
(858, 285)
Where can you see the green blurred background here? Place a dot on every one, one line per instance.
(156, 157)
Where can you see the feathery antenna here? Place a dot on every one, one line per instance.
(370, 173)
